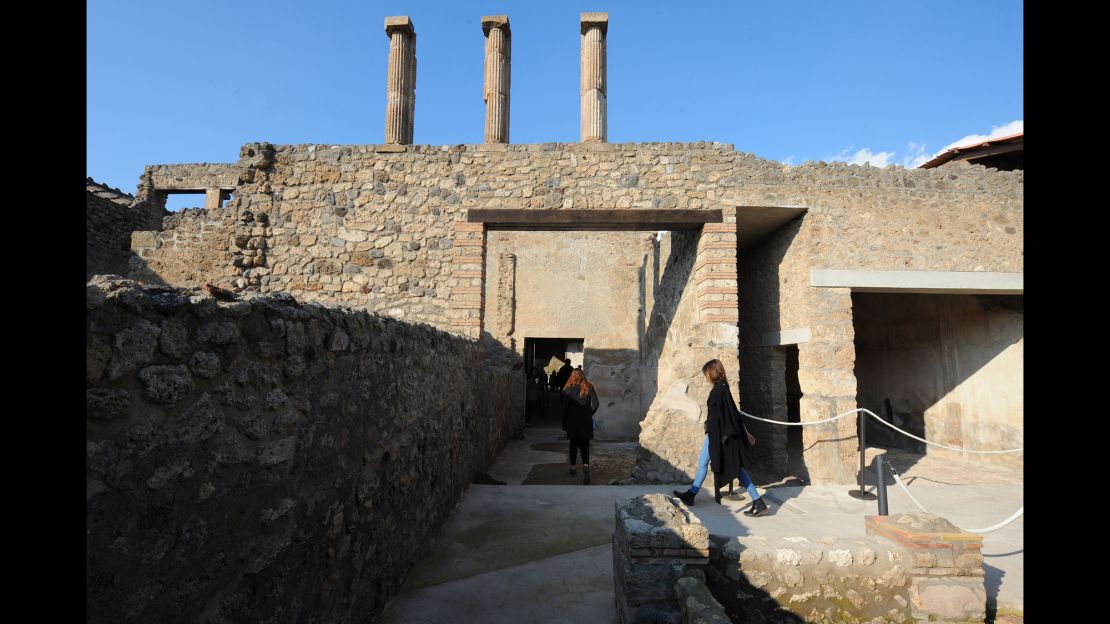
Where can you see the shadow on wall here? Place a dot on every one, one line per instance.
(940, 358)
(263, 459)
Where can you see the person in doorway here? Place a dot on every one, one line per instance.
(725, 439)
(580, 403)
(532, 394)
(564, 374)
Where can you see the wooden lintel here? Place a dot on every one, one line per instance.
(569, 219)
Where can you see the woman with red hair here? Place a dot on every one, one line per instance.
(579, 405)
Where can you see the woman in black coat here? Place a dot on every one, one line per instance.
(579, 404)
(725, 440)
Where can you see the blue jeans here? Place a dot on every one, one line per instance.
(703, 470)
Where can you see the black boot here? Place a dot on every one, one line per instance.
(571, 473)
(757, 508)
(686, 497)
(585, 474)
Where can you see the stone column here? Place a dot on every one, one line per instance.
(401, 81)
(495, 92)
(594, 125)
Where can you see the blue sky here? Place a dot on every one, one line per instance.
(886, 82)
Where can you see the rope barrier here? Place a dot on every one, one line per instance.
(989, 529)
(867, 411)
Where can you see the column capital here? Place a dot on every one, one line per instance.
(399, 22)
(494, 21)
(599, 19)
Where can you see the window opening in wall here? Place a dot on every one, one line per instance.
(176, 202)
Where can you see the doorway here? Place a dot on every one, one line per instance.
(795, 458)
(545, 356)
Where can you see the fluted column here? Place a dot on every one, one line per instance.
(594, 125)
(495, 92)
(400, 106)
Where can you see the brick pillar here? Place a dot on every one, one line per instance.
(715, 273)
(595, 128)
(400, 106)
(466, 303)
(945, 565)
(716, 294)
(495, 91)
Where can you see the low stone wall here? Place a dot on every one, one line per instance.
(910, 568)
(262, 460)
(945, 565)
(828, 579)
(656, 537)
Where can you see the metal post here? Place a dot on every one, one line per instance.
(861, 493)
(880, 476)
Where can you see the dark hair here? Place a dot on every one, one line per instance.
(715, 370)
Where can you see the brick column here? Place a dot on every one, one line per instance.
(466, 302)
(400, 106)
(945, 565)
(595, 26)
(495, 91)
(715, 272)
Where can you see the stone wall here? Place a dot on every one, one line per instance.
(260, 459)
(110, 217)
(950, 366)
(382, 227)
(910, 567)
(826, 580)
(964, 218)
(679, 339)
(654, 540)
(192, 249)
(344, 217)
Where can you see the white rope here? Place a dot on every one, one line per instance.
(952, 448)
(799, 424)
(994, 527)
(867, 411)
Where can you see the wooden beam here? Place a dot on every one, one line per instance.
(624, 219)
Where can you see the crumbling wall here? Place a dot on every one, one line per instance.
(110, 217)
(260, 459)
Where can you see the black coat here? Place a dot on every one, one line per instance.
(725, 428)
(578, 414)
(563, 375)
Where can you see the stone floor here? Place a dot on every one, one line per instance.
(538, 549)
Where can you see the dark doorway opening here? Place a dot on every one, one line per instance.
(794, 447)
(544, 357)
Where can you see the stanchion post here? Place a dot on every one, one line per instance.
(880, 479)
(861, 493)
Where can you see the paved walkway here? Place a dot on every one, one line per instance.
(542, 553)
